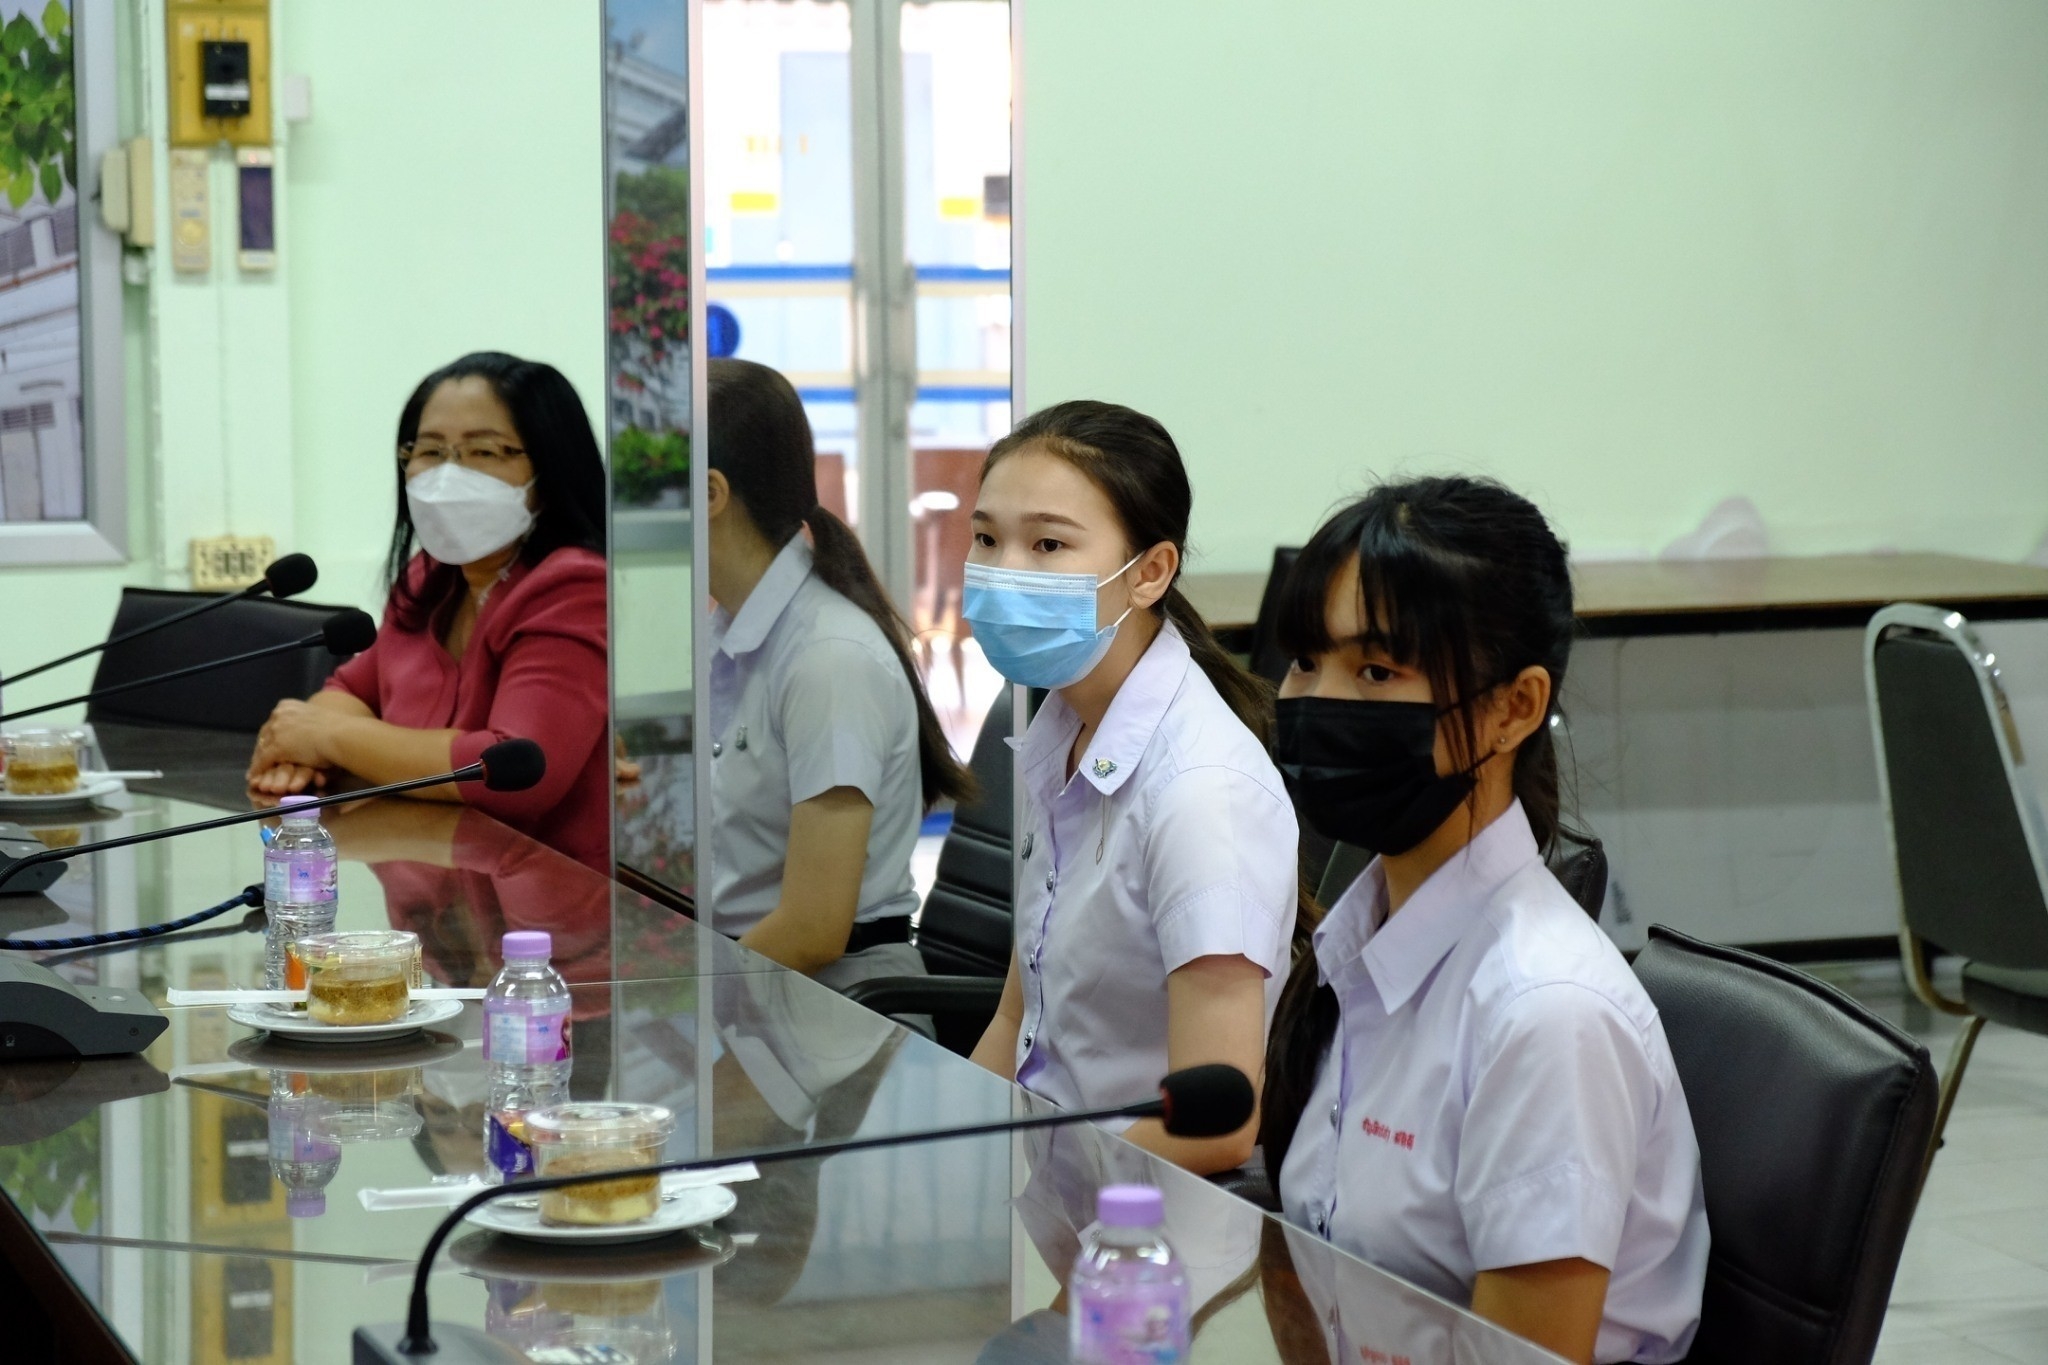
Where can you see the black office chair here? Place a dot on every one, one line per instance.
(1580, 864)
(1965, 826)
(1812, 1116)
(964, 932)
(237, 699)
(1268, 660)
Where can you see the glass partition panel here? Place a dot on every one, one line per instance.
(649, 246)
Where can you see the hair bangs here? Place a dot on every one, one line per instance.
(1301, 623)
(1413, 600)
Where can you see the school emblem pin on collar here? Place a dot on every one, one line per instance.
(1104, 767)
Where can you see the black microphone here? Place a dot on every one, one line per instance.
(1197, 1102)
(286, 577)
(510, 765)
(346, 632)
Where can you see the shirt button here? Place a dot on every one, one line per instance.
(1027, 1041)
(716, 748)
(1337, 1116)
(1048, 881)
(1029, 839)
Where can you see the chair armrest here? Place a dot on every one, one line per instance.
(1250, 1182)
(898, 995)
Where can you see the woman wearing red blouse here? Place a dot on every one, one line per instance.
(495, 629)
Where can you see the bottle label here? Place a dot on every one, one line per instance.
(526, 1032)
(1148, 1329)
(298, 878)
(505, 1145)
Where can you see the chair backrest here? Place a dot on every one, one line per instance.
(1959, 805)
(965, 927)
(1268, 660)
(238, 698)
(1580, 866)
(1813, 1116)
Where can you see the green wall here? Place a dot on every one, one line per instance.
(1631, 258)
(445, 196)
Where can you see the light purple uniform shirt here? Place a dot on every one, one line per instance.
(1173, 840)
(1500, 1093)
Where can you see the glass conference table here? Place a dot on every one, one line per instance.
(205, 1200)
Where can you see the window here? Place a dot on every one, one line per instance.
(63, 484)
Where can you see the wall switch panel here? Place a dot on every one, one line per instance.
(191, 230)
(224, 563)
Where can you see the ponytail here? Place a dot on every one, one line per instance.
(841, 565)
(761, 441)
(1304, 1023)
(1249, 697)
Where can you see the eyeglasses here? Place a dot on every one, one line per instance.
(486, 457)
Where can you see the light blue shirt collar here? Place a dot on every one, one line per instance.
(745, 632)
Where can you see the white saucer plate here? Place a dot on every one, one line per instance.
(279, 1021)
(91, 787)
(686, 1208)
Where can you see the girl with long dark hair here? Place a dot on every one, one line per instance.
(826, 753)
(1157, 890)
(1466, 1085)
(495, 625)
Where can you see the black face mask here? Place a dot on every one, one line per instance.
(1364, 772)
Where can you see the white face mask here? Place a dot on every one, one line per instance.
(462, 516)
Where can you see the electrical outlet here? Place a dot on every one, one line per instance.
(223, 563)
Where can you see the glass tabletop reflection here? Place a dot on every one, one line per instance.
(448, 873)
(229, 1197)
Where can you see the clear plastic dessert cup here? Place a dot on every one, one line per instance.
(361, 977)
(578, 1139)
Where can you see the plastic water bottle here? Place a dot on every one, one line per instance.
(1128, 1294)
(526, 1049)
(303, 1157)
(299, 868)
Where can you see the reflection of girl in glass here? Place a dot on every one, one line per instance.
(495, 628)
(825, 752)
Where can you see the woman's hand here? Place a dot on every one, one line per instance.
(285, 779)
(298, 734)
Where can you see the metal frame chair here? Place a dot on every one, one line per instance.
(1969, 846)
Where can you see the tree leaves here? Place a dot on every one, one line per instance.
(38, 106)
(62, 1168)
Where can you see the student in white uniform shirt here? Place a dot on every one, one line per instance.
(825, 753)
(1157, 891)
(1466, 1084)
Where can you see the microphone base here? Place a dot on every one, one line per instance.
(17, 843)
(456, 1345)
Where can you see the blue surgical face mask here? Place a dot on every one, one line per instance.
(1038, 628)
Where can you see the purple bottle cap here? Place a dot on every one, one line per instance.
(289, 805)
(305, 1203)
(1130, 1206)
(529, 943)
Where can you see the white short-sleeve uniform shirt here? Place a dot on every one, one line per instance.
(1173, 840)
(806, 695)
(1499, 1092)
